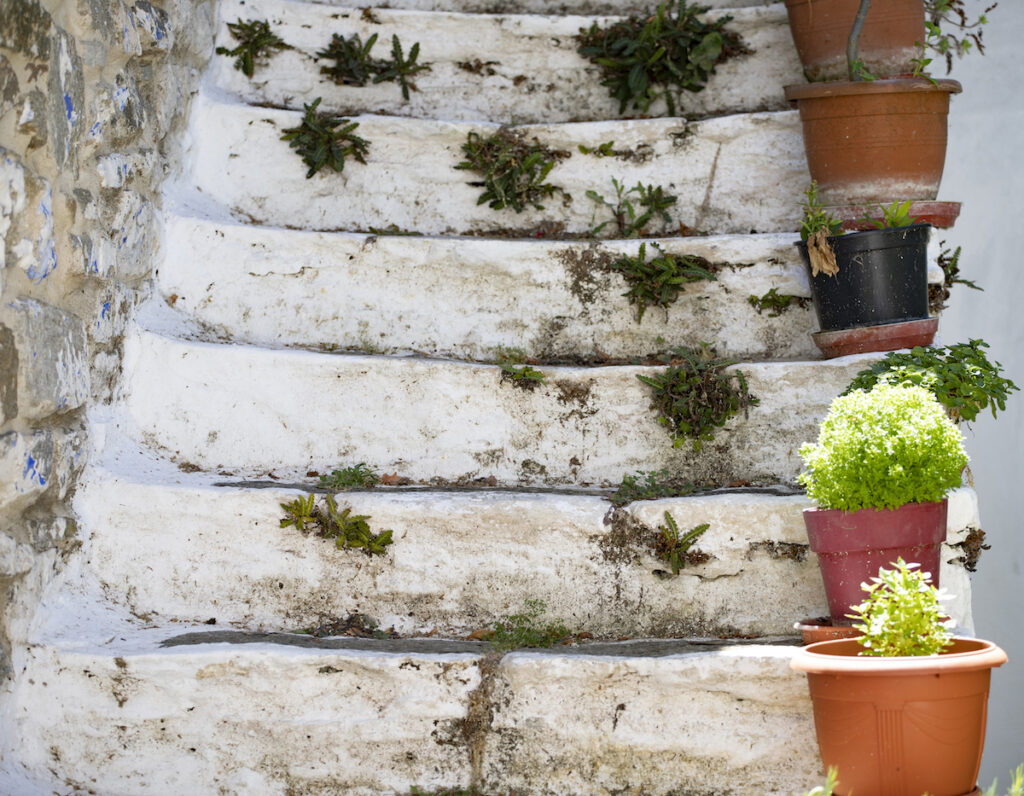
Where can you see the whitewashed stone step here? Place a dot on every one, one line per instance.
(163, 711)
(545, 6)
(733, 174)
(251, 410)
(465, 298)
(531, 71)
(167, 543)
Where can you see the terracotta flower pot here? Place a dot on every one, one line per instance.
(900, 726)
(853, 545)
(887, 44)
(875, 141)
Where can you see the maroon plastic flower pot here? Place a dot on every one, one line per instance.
(853, 545)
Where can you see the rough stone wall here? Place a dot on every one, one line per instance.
(92, 101)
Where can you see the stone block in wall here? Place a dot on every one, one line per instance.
(112, 314)
(44, 534)
(26, 220)
(154, 25)
(25, 28)
(68, 458)
(26, 468)
(16, 558)
(65, 105)
(9, 87)
(52, 358)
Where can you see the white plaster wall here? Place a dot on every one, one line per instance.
(985, 171)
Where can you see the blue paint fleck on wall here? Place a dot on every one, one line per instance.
(69, 108)
(31, 473)
(105, 310)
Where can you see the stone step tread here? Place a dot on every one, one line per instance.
(530, 69)
(452, 422)
(546, 7)
(264, 715)
(465, 298)
(169, 544)
(733, 174)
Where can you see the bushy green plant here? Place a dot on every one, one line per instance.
(696, 395)
(816, 219)
(353, 65)
(882, 449)
(331, 522)
(891, 216)
(358, 476)
(318, 141)
(513, 170)
(776, 303)
(941, 16)
(659, 281)
(256, 42)
(960, 376)
(527, 629)
(675, 548)
(901, 614)
(657, 55)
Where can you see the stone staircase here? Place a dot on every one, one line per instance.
(289, 333)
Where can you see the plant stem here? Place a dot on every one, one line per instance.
(853, 43)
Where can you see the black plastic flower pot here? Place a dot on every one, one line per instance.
(883, 278)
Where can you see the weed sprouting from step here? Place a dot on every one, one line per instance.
(659, 281)
(513, 170)
(695, 395)
(658, 55)
(775, 303)
(676, 549)
(604, 150)
(514, 369)
(318, 141)
(949, 262)
(256, 44)
(633, 209)
(328, 521)
(649, 485)
(358, 476)
(527, 630)
(353, 65)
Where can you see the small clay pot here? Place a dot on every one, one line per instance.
(821, 628)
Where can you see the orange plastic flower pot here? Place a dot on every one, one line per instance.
(900, 726)
(877, 141)
(821, 28)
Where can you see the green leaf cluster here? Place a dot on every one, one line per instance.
(1016, 787)
(940, 17)
(949, 262)
(675, 549)
(632, 215)
(895, 215)
(882, 449)
(354, 66)
(649, 485)
(511, 361)
(902, 614)
(960, 376)
(358, 476)
(513, 170)
(696, 396)
(328, 521)
(775, 303)
(318, 141)
(816, 219)
(659, 281)
(527, 629)
(255, 42)
(643, 58)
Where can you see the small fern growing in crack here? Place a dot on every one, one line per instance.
(256, 43)
(318, 141)
(675, 549)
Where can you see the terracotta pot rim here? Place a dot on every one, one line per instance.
(843, 88)
(840, 657)
(822, 512)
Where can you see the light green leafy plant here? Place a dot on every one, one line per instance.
(514, 369)
(828, 789)
(630, 214)
(776, 303)
(649, 485)
(960, 376)
(358, 476)
(1016, 787)
(894, 215)
(941, 16)
(816, 219)
(882, 449)
(331, 522)
(902, 614)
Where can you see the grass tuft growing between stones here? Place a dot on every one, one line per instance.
(527, 629)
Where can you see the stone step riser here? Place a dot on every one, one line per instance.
(548, 7)
(460, 562)
(466, 298)
(733, 174)
(270, 719)
(252, 411)
(532, 73)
